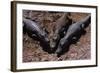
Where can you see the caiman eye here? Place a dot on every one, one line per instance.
(82, 25)
(74, 38)
(62, 43)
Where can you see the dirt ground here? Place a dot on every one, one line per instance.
(33, 52)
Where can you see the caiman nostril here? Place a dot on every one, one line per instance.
(55, 38)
